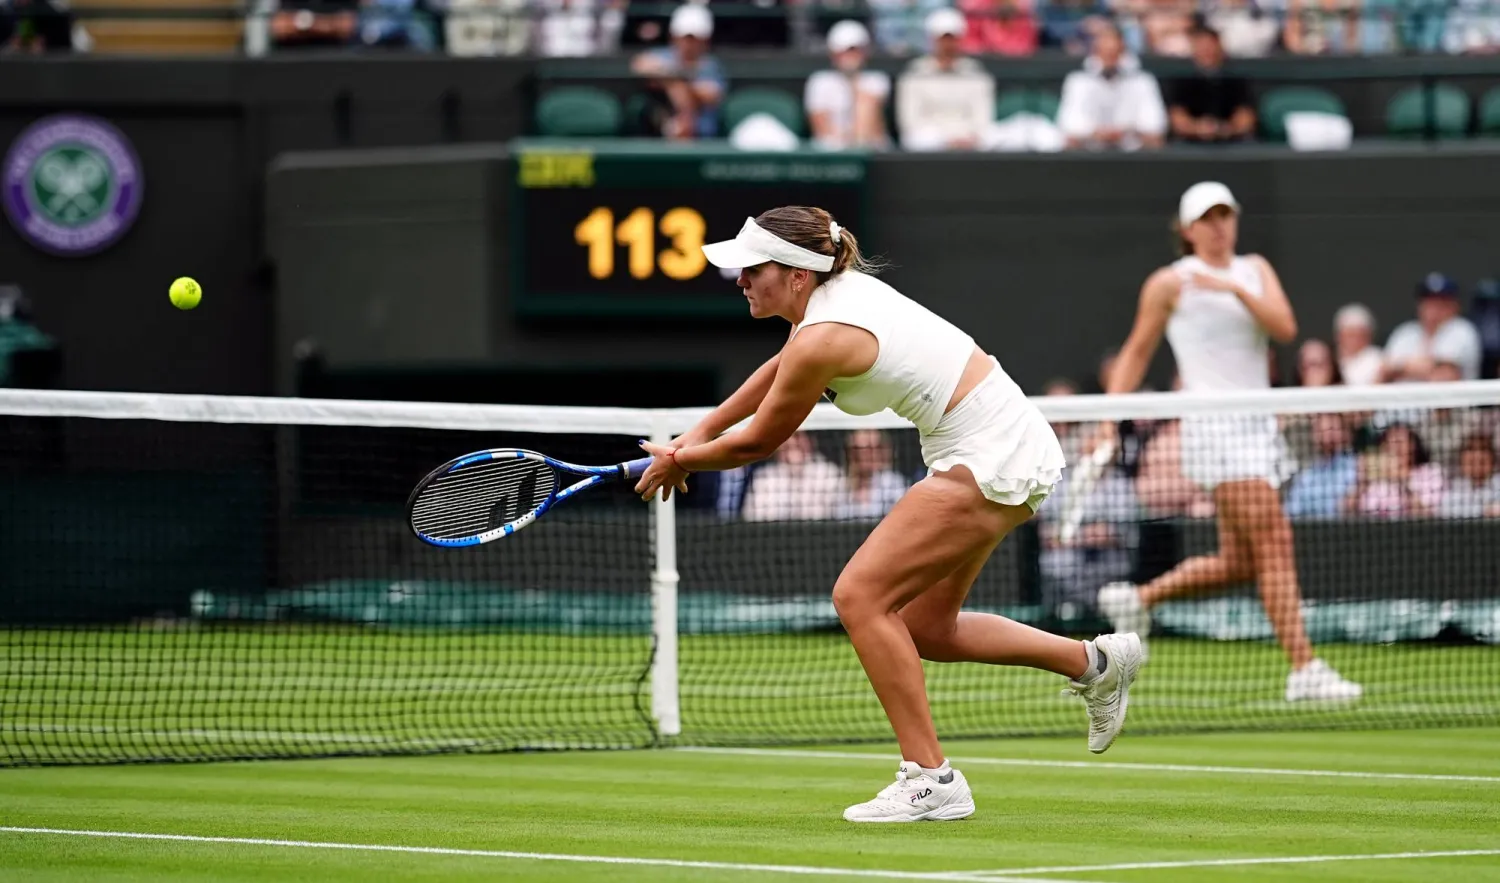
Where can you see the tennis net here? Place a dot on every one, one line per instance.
(199, 577)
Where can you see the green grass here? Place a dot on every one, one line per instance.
(780, 810)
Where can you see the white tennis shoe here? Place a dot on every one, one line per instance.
(916, 796)
(1121, 605)
(1317, 681)
(1108, 695)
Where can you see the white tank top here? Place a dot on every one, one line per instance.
(921, 359)
(1217, 343)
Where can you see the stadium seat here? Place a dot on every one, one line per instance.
(580, 112)
(1277, 103)
(1489, 113)
(742, 103)
(1406, 115)
(1019, 100)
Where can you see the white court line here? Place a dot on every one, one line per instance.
(803, 870)
(1091, 764)
(1210, 863)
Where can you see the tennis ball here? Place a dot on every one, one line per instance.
(186, 293)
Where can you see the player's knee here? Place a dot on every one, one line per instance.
(851, 604)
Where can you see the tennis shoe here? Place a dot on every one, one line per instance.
(1108, 694)
(1317, 681)
(916, 796)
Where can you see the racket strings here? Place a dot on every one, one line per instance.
(482, 497)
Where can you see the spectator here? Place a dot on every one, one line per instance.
(1322, 489)
(1446, 429)
(1073, 436)
(1065, 23)
(685, 83)
(1475, 492)
(1360, 361)
(1167, 27)
(846, 106)
(1244, 27)
(396, 24)
(1438, 334)
(1399, 479)
(1164, 491)
(1316, 365)
(1209, 107)
(37, 26)
(1484, 312)
(1000, 27)
(899, 24)
(1102, 550)
(1472, 27)
(871, 486)
(1339, 27)
(299, 24)
(946, 99)
(575, 28)
(1111, 102)
(798, 485)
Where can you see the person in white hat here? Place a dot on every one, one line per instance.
(686, 83)
(945, 100)
(991, 456)
(846, 105)
(1218, 311)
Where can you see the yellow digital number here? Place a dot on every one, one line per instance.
(683, 227)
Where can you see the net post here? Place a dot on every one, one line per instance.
(664, 696)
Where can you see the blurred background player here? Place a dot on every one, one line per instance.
(1218, 309)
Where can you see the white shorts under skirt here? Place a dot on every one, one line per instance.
(1217, 449)
(1003, 439)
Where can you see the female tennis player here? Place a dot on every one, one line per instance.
(1217, 310)
(991, 457)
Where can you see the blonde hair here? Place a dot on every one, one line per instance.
(809, 227)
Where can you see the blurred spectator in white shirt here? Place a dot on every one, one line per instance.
(1360, 360)
(1245, 27)
(572, 28)
(846, 106)
(1438, 334)
(1112, 102)
(799, 484)
(944, 100)
(1475, 490)
(871, 486)
(1473, 27)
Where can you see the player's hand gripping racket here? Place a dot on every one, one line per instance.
(1080, 485)
(492, 494)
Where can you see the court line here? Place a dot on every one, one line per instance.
(802, 870)
(1093, 764)
(1227, 862)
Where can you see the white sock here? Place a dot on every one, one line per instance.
(1096, 664)
(939, 772)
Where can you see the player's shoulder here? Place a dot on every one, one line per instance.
(1169, 278)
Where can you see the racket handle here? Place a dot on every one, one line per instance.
(634, 468)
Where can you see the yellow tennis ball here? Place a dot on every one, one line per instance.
(186, 293)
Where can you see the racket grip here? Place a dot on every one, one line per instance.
(634, 468)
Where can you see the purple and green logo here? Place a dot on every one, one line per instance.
(72, 184)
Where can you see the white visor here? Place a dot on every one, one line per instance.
(754, 245)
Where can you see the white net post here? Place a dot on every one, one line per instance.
(665, 706)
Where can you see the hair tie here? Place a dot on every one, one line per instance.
(835, 232)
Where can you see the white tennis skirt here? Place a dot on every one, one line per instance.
(1003, 439)
(1221, 448)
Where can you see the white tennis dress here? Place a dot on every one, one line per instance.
(995, 430)
(1219, 347)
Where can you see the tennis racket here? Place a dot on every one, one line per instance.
(487, 495)
(1080, 485)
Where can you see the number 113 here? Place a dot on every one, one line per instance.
(683, 227)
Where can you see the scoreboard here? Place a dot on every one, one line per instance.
(615, 230)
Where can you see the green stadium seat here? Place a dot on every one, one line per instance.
(1277, 103)
(579, 112)
(1489, 113)
(1014, 101)
(1406, 115)
(741, 103)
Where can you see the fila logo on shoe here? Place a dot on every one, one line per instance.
(921, 795)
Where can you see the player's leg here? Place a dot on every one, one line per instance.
(1256, 509)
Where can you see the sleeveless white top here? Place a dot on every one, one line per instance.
(922, 356)
(1217, 343)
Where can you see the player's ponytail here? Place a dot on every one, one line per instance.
(1180, 242)
(814, 229)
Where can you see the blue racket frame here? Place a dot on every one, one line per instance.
(595, 475)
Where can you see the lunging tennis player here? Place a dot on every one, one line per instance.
(991, 460)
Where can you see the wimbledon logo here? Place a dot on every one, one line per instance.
(72, 185)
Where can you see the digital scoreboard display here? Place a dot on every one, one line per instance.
(618, 231)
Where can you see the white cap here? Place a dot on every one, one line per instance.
(1354, 316)
(691, 20)
(755, 245)
(1201, 197)
(946, 23)
(847, 34)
